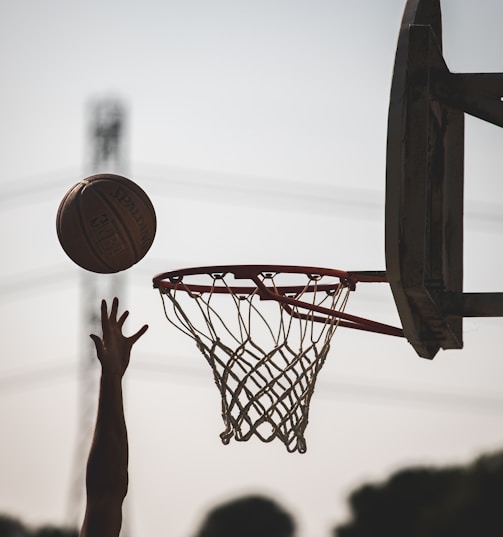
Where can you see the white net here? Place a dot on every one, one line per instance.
(265, 355)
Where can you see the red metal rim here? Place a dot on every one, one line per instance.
(173, 279)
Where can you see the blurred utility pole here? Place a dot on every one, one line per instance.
(105, 153)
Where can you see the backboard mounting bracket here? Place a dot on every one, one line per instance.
(477, 94)
(425, 183)
(472, 304)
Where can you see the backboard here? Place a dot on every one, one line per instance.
(424, 182)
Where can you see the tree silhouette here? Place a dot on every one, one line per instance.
(12, 527)
(52, 531)
(459, 501)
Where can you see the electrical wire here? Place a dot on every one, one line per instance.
(358, 392)
(36, 280)
(250, 190)
(37, 188)
(205, 185)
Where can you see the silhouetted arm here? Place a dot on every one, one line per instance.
(107, 466)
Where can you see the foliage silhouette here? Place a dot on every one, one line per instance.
(458, 501)
(12, 527)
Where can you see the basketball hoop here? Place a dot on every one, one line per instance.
(265, 330)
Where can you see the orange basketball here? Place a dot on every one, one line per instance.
(106, 223)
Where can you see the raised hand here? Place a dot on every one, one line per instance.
(114, 348)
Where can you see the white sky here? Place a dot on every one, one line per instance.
(231, 103)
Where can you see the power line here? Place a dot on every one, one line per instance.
(18, 381)
(37, 188)
(267, 192)
(359, 392)
(260, 191)
(198, 184)
(384, 393)
(38, 280)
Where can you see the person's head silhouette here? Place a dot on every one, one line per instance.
(250, 516)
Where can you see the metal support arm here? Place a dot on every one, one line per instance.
(477, 94)
(473, 304)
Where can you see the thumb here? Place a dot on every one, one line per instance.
(98, 343)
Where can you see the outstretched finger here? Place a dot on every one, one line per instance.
(104, 317)
(115, 307)
(122, 319)
(135, 337)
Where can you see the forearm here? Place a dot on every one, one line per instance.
(107, 468)
(107, 474)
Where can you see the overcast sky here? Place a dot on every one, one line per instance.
(259, 131)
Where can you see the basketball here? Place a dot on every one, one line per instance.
(106, 223)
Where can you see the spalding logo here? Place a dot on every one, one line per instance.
(128, 203)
